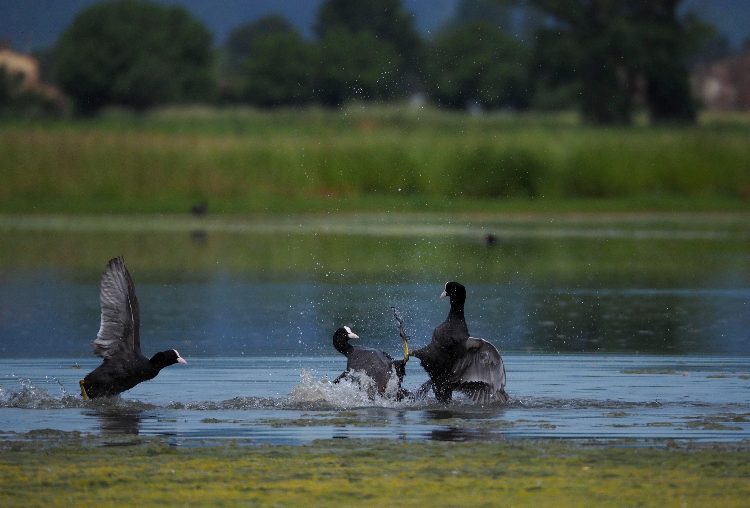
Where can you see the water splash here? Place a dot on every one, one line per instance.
(30, 396)
(357, 390)
(313, 393)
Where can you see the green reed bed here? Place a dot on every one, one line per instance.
(318, 160)
(75, 472)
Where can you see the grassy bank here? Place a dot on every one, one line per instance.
(374, 473)
(367, 160)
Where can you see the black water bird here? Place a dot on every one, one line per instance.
(377, 365)
(118, 340)
(454, 360)
(199, 209)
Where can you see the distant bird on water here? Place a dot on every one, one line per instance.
(118, 340)
(456, 361)
(199, 209)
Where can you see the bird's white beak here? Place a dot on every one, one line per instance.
(179, 358)
(353, 335)
(443, 294)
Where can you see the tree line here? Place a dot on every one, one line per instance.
(606, 58)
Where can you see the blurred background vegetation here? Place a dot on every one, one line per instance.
(511, 103)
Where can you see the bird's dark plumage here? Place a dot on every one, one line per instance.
(456, 361)
(199, 209)
(377, 365)
(118, 341)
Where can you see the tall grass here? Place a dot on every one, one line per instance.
(253, 161)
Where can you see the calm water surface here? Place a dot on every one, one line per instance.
(611, 327)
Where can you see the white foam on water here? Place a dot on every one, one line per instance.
(356, 390)
(30, 396)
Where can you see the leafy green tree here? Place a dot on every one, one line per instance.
(9, 85)
(615, 45)
(356, 66)
(280, 70)
(478, 63)
(669, 40)
(711, 44)
(556, 80)
(269, 64)
(496, 12)
(380, 54)
(602, 42)
(386, 20)
(134, 53)
(242, 41)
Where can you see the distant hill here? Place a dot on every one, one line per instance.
(36, 24)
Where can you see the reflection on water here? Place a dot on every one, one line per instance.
(282, 288)
(223, 316)
(117, 421)
(457, 434)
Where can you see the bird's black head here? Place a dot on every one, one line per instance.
(167, 358)
(455, 291)
(341, 339)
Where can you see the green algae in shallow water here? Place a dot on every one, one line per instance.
(707, 425)
(467, 423)
(617, 414)
(656, 370)
(335, 472)
(322, 421)
(219, 420)
(718, 422)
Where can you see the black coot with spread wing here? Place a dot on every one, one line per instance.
(378, 365)
(118, 340)
(456, 361)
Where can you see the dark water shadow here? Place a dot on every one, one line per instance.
(463, 423)
(199, 237)
(455, 434)
(117, 423)
(448, 413)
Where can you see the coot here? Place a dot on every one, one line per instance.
(377, 365)
(456, 361)
(118, 340)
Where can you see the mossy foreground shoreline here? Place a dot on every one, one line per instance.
(74, 472)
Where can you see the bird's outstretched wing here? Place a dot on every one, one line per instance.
(423, 390)
(120, 320)
(480, 372)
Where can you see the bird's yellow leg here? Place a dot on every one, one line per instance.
(406, 351)
(83, 390)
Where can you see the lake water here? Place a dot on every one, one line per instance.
(611, 326)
